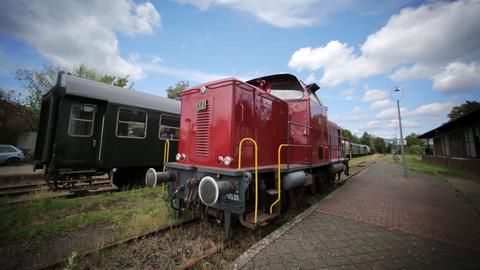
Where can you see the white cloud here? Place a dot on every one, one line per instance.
(185, 74)
(378, 125)
(157, 60)
(337, 60)
(357, 109)
(348, 94)
(374, 94)
(433, 109)
(458, 77)
(417, 71)
(310, 79)
(280, 13)
(355, 118)
(419, 42)
(392, 112)
(72, 32)
(380, 104)
(405, 123)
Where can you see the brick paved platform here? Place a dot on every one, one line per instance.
(377, 220)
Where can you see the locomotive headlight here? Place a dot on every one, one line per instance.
(227, 161)
(178, 157)
(220, 160)
(184, 156)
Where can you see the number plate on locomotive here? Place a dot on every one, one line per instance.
(202, 105)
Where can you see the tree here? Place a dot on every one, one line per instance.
(379, 144)
(349, 135)
(38, 82)
(414, 149)
(463, 108)
(173, 92)
(92, 74)
(366, 139)
(15, 117)
(413, 139)
(388, 148)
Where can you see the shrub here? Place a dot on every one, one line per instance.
(414, 150)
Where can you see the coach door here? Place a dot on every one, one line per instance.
(81, 141)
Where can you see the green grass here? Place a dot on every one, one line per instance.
(128, 213)
(360, 159)
(415, 163)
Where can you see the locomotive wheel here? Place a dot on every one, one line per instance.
(323, 179)
(120, 180)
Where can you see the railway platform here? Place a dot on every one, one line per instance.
(377, 220)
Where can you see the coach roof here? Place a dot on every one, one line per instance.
(77, 86)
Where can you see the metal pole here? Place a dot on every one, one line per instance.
(404, 161)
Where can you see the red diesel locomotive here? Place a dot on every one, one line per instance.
(245, 148)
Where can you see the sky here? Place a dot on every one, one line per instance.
(356, 51)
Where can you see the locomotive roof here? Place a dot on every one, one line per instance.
(77, 86)
(284, 76)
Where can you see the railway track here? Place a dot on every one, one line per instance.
(182, 224)
(207, 255)
(191, 263)
(356, 168)
(20, 192)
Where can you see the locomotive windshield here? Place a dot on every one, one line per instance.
(286, 90)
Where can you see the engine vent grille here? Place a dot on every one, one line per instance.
(202, 141)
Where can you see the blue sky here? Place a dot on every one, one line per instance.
(356, 51)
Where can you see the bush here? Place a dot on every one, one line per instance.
(414, 150)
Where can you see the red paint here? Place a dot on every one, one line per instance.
(237, 110)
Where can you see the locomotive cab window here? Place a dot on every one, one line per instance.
(131, 123)
(169, 127)
(286, 90)
(81, 120)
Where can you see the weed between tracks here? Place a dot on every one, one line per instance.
(165, 251)
(357, 160)
(175, 248)
(66, 225)
(127, 213)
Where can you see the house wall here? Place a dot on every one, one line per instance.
(462, 142)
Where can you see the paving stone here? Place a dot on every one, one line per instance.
(379, 222)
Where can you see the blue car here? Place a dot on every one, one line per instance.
(10, 155)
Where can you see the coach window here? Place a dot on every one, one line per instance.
(169, 127)
(131, 123)
(81, 121)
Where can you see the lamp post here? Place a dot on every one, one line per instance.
(397, 94)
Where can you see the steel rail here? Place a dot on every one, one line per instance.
(129, 240)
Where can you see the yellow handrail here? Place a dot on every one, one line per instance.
(279, 180)
(166, 154)
(256, 170)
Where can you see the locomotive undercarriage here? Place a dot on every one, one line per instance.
(225, 192)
